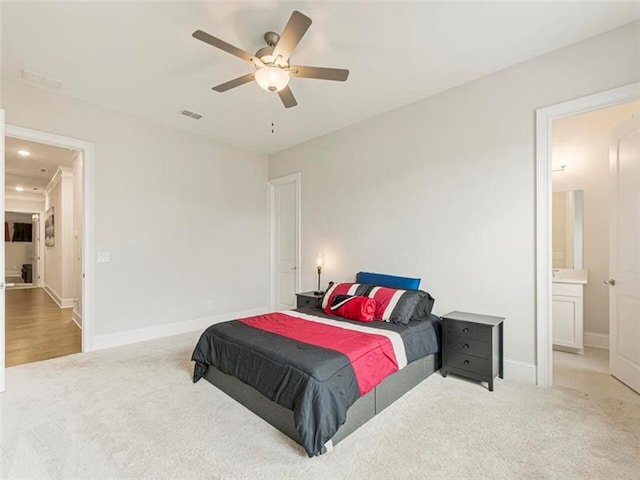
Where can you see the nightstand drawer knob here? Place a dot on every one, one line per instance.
(465, 346)
(466, 362)
(465, 329)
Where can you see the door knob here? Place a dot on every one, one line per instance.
(611, 282)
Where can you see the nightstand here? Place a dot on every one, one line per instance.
(309, 299)
(472, 346)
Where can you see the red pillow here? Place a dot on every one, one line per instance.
(352, 307)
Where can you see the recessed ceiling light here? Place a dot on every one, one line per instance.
(19, 189)
(24, 153)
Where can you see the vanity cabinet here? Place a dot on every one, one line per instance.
(568, 317)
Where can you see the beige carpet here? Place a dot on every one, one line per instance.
(132, 412)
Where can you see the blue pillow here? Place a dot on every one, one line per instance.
(390, 281)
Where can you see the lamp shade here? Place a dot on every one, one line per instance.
(272, 79)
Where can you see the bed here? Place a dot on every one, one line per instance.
(314, 375)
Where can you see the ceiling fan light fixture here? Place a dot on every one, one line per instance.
(272, 79)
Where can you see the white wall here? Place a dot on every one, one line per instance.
(19, 203)
(52, 278)
(59, 272)
(444, 188)
(16, 253)
(582, 142)
(184, 218)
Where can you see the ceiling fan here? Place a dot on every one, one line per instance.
(273, 70)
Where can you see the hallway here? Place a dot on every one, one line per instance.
(37, 329)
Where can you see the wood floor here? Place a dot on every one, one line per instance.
(37, 329)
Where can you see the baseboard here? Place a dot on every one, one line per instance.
(143, 334)
(597, 340)
(77, 318)
(61, 302)
(12, 273)
(520, 371)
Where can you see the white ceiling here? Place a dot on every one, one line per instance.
(26, 172)
(140, 58)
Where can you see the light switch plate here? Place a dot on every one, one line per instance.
(104, 257)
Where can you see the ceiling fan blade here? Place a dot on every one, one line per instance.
(236, 82)
(293, 32)
(222, 45)
(286, 95)
(321, 73)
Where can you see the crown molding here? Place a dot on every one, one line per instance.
(61, 172)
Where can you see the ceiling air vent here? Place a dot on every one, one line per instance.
(194, 115)
(41, 79)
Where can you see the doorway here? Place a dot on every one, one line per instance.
(544, 249)
(43, 187)
(86, 241)
(22, 249)
(581, 245)
(284, 241)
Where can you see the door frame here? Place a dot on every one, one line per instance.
(88, 234)
(544, 189)
(297, 179)
(40, 269)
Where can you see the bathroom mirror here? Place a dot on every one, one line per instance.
(567, 229)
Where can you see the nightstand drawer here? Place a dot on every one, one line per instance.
(468, 346)
(309, 299)
(468, 330)
(306, 302)
(468, 363)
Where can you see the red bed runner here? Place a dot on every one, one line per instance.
(372, 356)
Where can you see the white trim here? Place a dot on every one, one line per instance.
(61, 172)
(297, 179)
(88, 238)
(524, 372)
(61, 302)
(12, 273)
(596, 340)
(544, 119)
(127, 337)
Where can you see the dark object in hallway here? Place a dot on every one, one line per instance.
(27, 273)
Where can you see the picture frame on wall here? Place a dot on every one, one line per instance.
(49, 230)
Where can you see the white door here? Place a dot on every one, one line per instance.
(35, 260)
(2, 251)
(624, 255)
(284, 224)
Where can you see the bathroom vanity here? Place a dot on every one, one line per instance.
(568, 301)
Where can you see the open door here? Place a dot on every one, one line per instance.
(2, 347)
(624, 254)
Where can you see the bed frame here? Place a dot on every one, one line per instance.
(365, 408)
